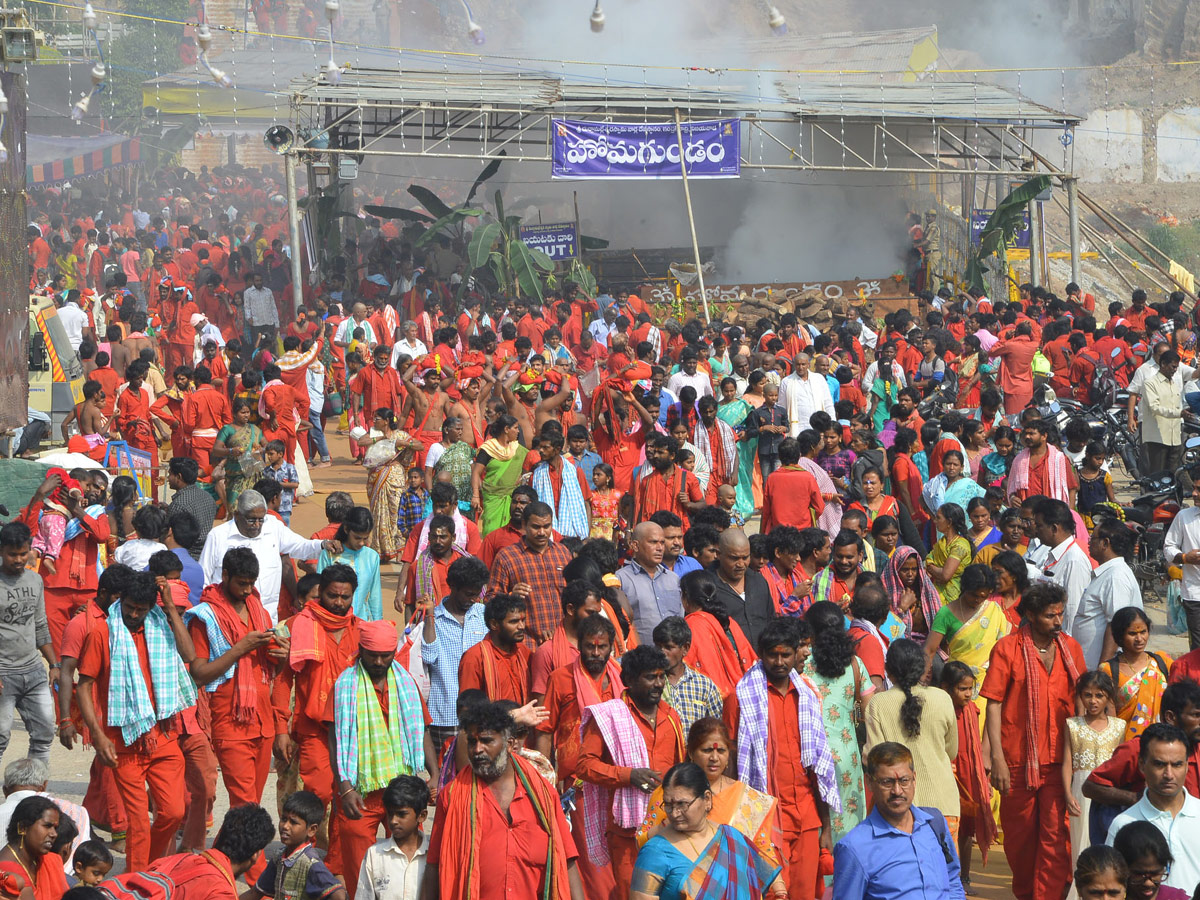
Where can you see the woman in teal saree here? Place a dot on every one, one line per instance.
(733, 410)
(693, 858)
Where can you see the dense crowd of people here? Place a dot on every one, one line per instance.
(603, 684)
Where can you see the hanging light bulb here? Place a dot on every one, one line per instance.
(3, 153)
(98, 73)
(80, 109)
(332, 8)
(204, 37)
(89, 17)
(597, 18)
(3, 102)
(475, 33)
(333, 72)
(220, 77)
(777, 22)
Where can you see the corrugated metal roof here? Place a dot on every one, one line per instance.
(921, 100)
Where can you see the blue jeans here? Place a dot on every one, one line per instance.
(317, 433)
(28, 693)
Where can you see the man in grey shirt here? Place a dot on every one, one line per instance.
(262, 316)
(24, 686)
(652, 589)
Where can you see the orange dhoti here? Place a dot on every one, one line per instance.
(161, 771)
(598, 881)
(245, 766)
(357, 835)
(317, 776)
(622, 850)
(200, 778)
(103, 800)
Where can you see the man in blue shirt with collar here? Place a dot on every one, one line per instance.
(451, 628)
(897, 852)
(673, 556)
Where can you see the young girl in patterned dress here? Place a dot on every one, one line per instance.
(606, 502)
(1092, 738)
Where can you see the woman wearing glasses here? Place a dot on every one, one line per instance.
(691, 855)
(1149, 859)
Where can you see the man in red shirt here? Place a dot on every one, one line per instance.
(781, 756)
(638, 713)
(593, 677)
(1030, 693)
(619, 440)
(499, 664)
(142, 752)
(499, 831)
(511, 533)
(205, 412)
(669, 486)
(533, 325)
(235, 662)
(1135, 315)
(790, 493)
(237, 849)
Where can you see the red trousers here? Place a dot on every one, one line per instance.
(160, 770)
(598, 882)
(622, 850)
(103, 801)
(1037, 839)
(801, 852)
(200, 779)
(357, 835)
(61, 605)
(245, 766)
(201, 450)
(316, 775)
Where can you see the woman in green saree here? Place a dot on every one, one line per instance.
(239, 445)
(733, 410)
(496, 473)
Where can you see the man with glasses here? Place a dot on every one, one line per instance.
(268, 537)
(1163, 762)
(892, 852)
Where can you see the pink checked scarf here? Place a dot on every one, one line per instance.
(830, 521)
(1056, 474)
(1037, 681)
(929, 598)
(728, 445)
(628, 805)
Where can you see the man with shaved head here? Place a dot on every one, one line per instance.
(652, 588)
(745, 593)
(803, 393)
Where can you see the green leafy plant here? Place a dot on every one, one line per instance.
(519, 269)
(1002, 226)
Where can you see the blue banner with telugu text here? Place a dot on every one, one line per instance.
(646, 149)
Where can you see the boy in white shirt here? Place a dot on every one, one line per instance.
(394, 868)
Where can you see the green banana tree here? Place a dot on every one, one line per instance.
(519, 269)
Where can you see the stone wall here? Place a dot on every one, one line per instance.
(1134, 146)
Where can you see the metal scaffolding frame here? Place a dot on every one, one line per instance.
(950, 128)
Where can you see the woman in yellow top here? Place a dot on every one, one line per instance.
(754, 814)
(1139, 674)
(951, 552)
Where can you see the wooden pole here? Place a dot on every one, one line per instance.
(687, 196)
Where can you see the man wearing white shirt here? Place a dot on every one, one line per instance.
(358, 319)
(602, 327)
(1066, 564)
(689, 376)
(409, 344)
(74, 320)
(268, 537)
(803, 393)
(887, 357)
(205, 332)
(1166, 804)
(1113, 587)
(1182, 548)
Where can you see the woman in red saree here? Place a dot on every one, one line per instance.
(29, 869)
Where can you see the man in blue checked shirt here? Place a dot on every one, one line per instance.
(899, 850)
(451, 628)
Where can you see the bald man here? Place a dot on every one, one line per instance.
(651, 588)
(743, 591)
(803, 393)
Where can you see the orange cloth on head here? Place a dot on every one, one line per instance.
(712, 654)
(318, 659)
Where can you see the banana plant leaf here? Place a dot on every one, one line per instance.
(499, 206)
(525, 270)
(541, 259)
(482, 240)
(395, 212)
(1001, 226)
(453, 218)
(489, 170)
(430, 200)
